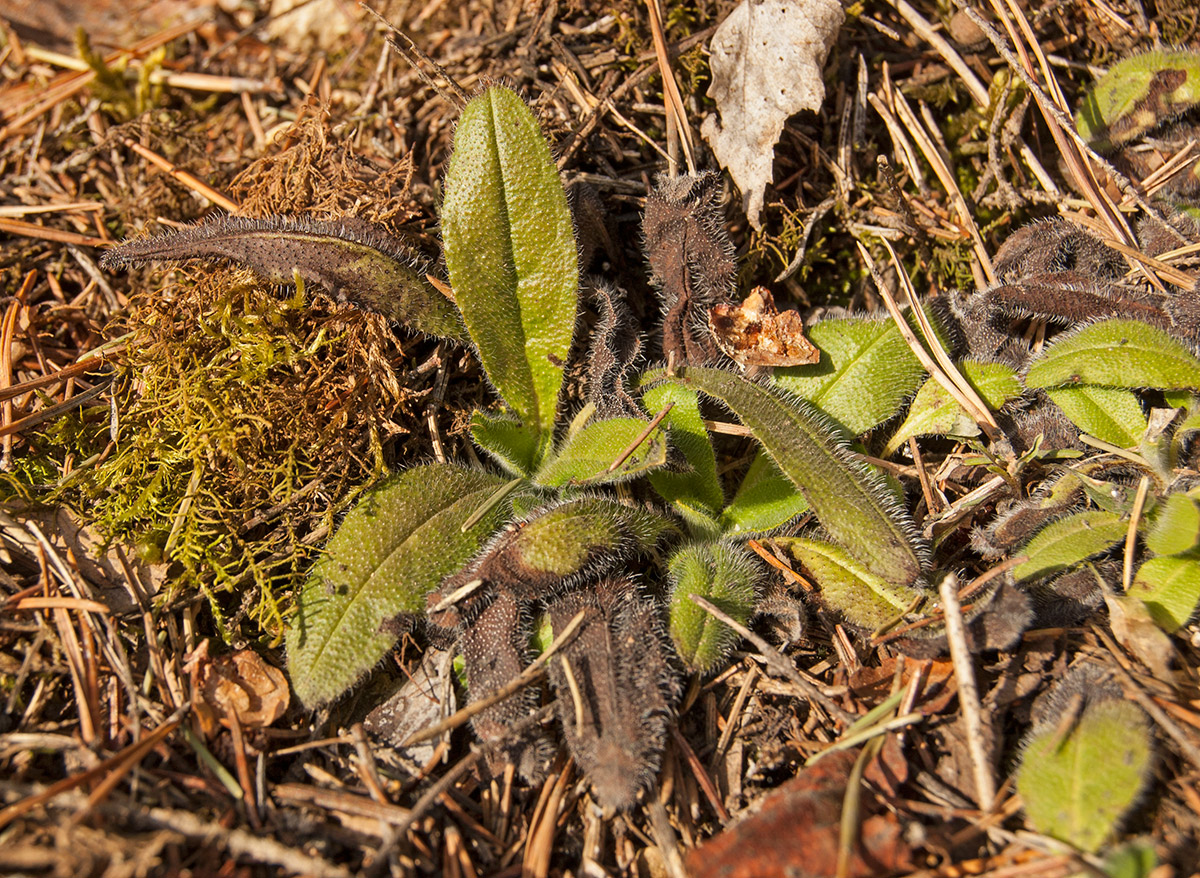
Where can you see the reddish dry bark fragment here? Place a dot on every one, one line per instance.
(795, 833)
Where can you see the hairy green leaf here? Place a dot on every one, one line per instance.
(1170, 589)
(1075, 788)
(847, 585)
(1107, 413)
(587, 455)
(865, 373)
(723, 574)
(1176, 527)
(533, 557)
(1070, 541)
(696, 491)
(766, 499)
(562, 540)
(935, 412)
(852, 503)
(1138, 94)
(1116, 353)
(355, 260)
(510, 251)
(392, 549)
(511, 443)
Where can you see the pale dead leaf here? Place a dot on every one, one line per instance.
(766, 61)
(1137, 631)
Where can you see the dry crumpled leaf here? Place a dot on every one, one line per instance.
(241, 684)
(756, 333)
(766, 61)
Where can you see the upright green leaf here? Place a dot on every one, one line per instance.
(865, 373)
(1076, 787)
(1070, 541)
(723, 574)
(511, 443)
(510, 251)
(935, 412)
(1107, 413)
(1176, 526)
(392, 549)
(1116, 353)
(852, 503)
(696, 491)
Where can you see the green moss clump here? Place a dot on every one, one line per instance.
(242, 417)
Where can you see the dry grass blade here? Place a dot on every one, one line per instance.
(113, 767)
(1055, 110)
(978, 744)
(206, 82)
(977, 408)
(47, 233)
(945, 176)
(676, 113)
(190, 180)
(974, 85)
(1135, 517)
(15, 105)
(775, 661)
(970, 403)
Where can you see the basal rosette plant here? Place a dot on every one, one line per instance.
(480, 556)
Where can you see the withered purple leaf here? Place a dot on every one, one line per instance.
(615, 347)
(353, 259)
(493, 639)
(1054, 245)
(691, 261)
(614, 687)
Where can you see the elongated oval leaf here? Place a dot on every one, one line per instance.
(847, 585)
(1070, 541)
(1075, 788)
(699, 489)
(1108, 413)
(723, 574)
(355, 260)
(934, 411)
(559, 542)
(1176, 527)
(865, 373)
(1116, 353)
(852, 502)
(1170, 589)
(510, 251)
(588, 455)
(391, 550)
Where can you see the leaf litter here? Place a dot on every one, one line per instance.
(90, 737)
